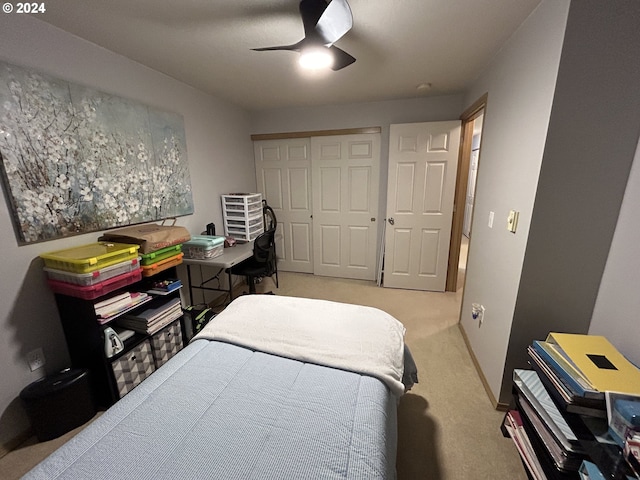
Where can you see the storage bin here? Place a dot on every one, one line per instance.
(166, 343)
(242, 213)
(203, 246)
(159, 255)
(149, 237)
(149, 270)
(92, 278)
(133, 367)
(58, 403)
(91, 292)
(90, 257)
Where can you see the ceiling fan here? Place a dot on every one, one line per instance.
(324, 24)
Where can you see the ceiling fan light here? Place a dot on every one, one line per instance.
(316, 58)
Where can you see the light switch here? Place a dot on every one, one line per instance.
(512, 221)
(490, 219)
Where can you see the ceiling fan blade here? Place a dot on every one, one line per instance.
(310, 12)
(335, 22)
(294, 48)
(341, 58)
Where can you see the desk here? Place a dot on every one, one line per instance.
(230, 257)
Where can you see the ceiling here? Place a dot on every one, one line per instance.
(398, 45)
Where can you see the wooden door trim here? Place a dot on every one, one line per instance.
(462, 178)
(314, 133)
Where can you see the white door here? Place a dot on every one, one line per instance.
(345, 177)
(471, 193)
(283, 173)
(423, 160)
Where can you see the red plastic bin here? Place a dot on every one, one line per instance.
(91, 292)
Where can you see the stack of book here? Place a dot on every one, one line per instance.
(112, 306)
(153, 319)
(578, 369)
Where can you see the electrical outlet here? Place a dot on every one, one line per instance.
(36, 359)
(477, 313)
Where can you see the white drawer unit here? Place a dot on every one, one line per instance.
(242, 214)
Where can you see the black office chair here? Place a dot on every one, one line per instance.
(263, 263)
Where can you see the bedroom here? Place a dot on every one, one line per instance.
(213, 125)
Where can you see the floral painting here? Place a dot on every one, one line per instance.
(75, 160)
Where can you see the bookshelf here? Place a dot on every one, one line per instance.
(556, 433)
(113, 377)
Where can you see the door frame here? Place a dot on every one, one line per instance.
(468, 116)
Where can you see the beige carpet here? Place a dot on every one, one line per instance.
(448, 429)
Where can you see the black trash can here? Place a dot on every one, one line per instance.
(59, 403)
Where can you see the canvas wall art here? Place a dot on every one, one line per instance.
(75, 160)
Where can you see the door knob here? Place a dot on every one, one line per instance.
(373, 219)
(391, 221)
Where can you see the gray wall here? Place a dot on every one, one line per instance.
(520, 84)
(220, 157)
(615, 314)
(591, 142)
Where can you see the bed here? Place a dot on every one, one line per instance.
(274, 387)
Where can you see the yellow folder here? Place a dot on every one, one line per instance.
(599, 361)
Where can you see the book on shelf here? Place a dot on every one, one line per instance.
(599, 361)
(515, 428)
(153, 319)
(529, 384)
(553, 357)
(589, 471)
(563, 459)
(108, 311)
(567, 399)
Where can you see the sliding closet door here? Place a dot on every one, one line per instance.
(283, 175)
(345, 178)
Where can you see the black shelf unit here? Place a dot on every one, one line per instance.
(85, 336)
(608, 458)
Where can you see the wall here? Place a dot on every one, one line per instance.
(372, 114)
(220, 157)
(520, 85)
(592, 139)
(615, 314)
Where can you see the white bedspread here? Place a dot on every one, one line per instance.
(350, 337)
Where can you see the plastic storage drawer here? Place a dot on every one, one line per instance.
(203, 246)
(166, 343)
(133, 367)
(91, 257)
(92, 278)
(159, 255)
(149, 270)
(91, 292)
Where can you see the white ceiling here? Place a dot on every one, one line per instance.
(398, 45)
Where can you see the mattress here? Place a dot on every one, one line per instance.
(253, 416)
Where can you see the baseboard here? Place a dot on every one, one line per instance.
(14, 443)
(498, 406)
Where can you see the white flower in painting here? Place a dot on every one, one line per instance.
(100, 183)
(116, 189)
(142, 147)
(87, 194)
(89, 166)
(143, 157)
(156, 202)
(120, 161)
(133, 206)
(63, 182)
(122, 215)
(110, 202)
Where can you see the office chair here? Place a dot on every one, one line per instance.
(263, 263)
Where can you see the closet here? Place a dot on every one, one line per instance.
(324, 189)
